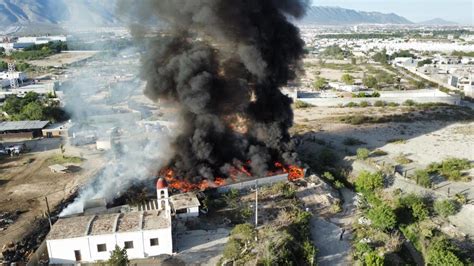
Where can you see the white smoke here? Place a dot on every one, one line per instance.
(109, 86)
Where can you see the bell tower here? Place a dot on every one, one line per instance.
(162, 195)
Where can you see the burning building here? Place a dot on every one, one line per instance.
(145, 231)
(222, 64)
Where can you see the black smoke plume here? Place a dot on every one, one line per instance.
(223, 63)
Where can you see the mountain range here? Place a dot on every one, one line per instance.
(87, 13)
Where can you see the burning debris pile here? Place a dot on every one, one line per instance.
(223, 63)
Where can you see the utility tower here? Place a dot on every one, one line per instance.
(11, 74)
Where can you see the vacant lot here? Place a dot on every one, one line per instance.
(27, 179)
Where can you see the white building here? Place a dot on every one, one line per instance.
(5, 78)
(145, 231)
(404, 62)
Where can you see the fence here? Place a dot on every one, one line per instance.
(252, 183)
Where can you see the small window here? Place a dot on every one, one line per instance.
(181, 211)
(154, 242)
(101, 248)
(77, 254)
(128, 244)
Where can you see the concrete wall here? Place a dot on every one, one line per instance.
(251, 184)
(453, 100)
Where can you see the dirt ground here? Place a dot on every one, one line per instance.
(64, 58)
(26, 180)
(423, 141)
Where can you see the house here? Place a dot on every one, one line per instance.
(144, 231)
(404, 62)
(91, 237)
(22, 129)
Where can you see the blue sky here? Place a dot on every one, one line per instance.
(461, 11)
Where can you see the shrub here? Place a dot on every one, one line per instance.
(379, 104)
(441, 252)
(328, 176)
(367, 181)
(450, 168)
(327, 157)
(241, 236)
(378, 152)
(445, 208)
(460, 198)
(352, 142)
(300, 104)
(409, 103)
(348, 79)
(370, 81)
(416, 204)
(363, 153)
(352, 104)
(422, 178)
(364, 104)
(373, 259)
(402, 159)
(392, 104)
(382, 217)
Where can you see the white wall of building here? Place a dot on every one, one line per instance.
(61, 251)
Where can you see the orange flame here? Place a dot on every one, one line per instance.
(294, 173)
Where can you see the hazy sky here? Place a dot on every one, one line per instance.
(461, 11)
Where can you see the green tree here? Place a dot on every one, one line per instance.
(367, 181)
(118, 257)
(370, 82)
(382, 217)
(348, 79)
(32, 111)
(381, 57)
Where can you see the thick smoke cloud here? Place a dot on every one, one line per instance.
(223, 63)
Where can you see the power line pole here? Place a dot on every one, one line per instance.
(256, 204)
(49, 214)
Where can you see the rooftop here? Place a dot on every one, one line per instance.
(102, 224)
(22, 125)
(185, 200)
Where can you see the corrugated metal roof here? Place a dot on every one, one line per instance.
(22, 125)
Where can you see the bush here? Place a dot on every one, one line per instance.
(300, 104)
(403, 159)
(364, 104)
(392, 104)
(348, 79)
(367, 181)
(379, 104)
(422, 178)
(378, 152)
(416, 204)
(382, 217)
(445, 208)
(352, 104)
(328, 176)
(243, 235)
(409, 103)
(441, 252)
(370, 81)
(450, 168)
(363, 153)
(372, 259)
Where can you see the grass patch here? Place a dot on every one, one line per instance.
(60, 159)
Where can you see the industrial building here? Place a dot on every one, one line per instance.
(144, 231)
(22, 129)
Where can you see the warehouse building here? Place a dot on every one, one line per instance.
(22, 129)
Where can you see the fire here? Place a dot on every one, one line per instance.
(294, 173)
